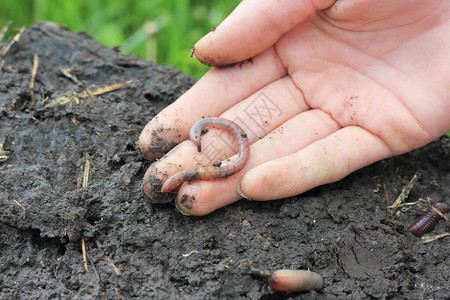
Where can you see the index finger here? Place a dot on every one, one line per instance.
(254, 26)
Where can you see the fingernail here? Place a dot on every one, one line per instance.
(177, 205)
(242, 194)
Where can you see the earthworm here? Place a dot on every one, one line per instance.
(220, 170)
(289, 280)
(295, 280)
(426, 222)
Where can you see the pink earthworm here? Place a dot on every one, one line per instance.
(295, 280)
(426, 222)
(219, 170)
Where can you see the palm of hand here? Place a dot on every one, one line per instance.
(383, 81)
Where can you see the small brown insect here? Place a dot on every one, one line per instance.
(426, 222)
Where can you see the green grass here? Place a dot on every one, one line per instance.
(162, 31)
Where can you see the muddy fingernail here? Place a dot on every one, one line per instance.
(156, 146)
(184, 200)
(242, 193)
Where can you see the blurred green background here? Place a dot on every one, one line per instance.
(162, 31)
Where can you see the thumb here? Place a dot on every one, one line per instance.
(251, 28)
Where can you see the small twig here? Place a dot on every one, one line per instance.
(130, 129)
(405, 191)
(108, 145)
(441, 214)
(4, 155)
(116, 269)
(89, 92)
(75, 96)
(33, 76)
(411, 203)
(11, 42)
(83, 251)
(190, 253)
(106, 258)
(433, 238)
(66, 72)
(386, 195)
(19, 205)
(87, 168)
(74, 120)
(4, 30)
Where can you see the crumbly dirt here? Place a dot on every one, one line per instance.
(342, 231)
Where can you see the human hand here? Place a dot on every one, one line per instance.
(331, 87)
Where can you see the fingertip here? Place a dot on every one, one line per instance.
(153, 142)
(188, 205)
(201, 52)
(217, 49)
(151, 188)
(262, 183)
(198, 198)
(250, 188)
(189, 202)
(251, 28)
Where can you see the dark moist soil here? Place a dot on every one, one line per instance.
(135, 249)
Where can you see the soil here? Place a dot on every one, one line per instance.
(73, 174)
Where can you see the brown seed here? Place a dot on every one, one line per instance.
(295, 280)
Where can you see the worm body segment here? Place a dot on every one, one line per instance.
(295, 280)
(426, 222)
(220, 170)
